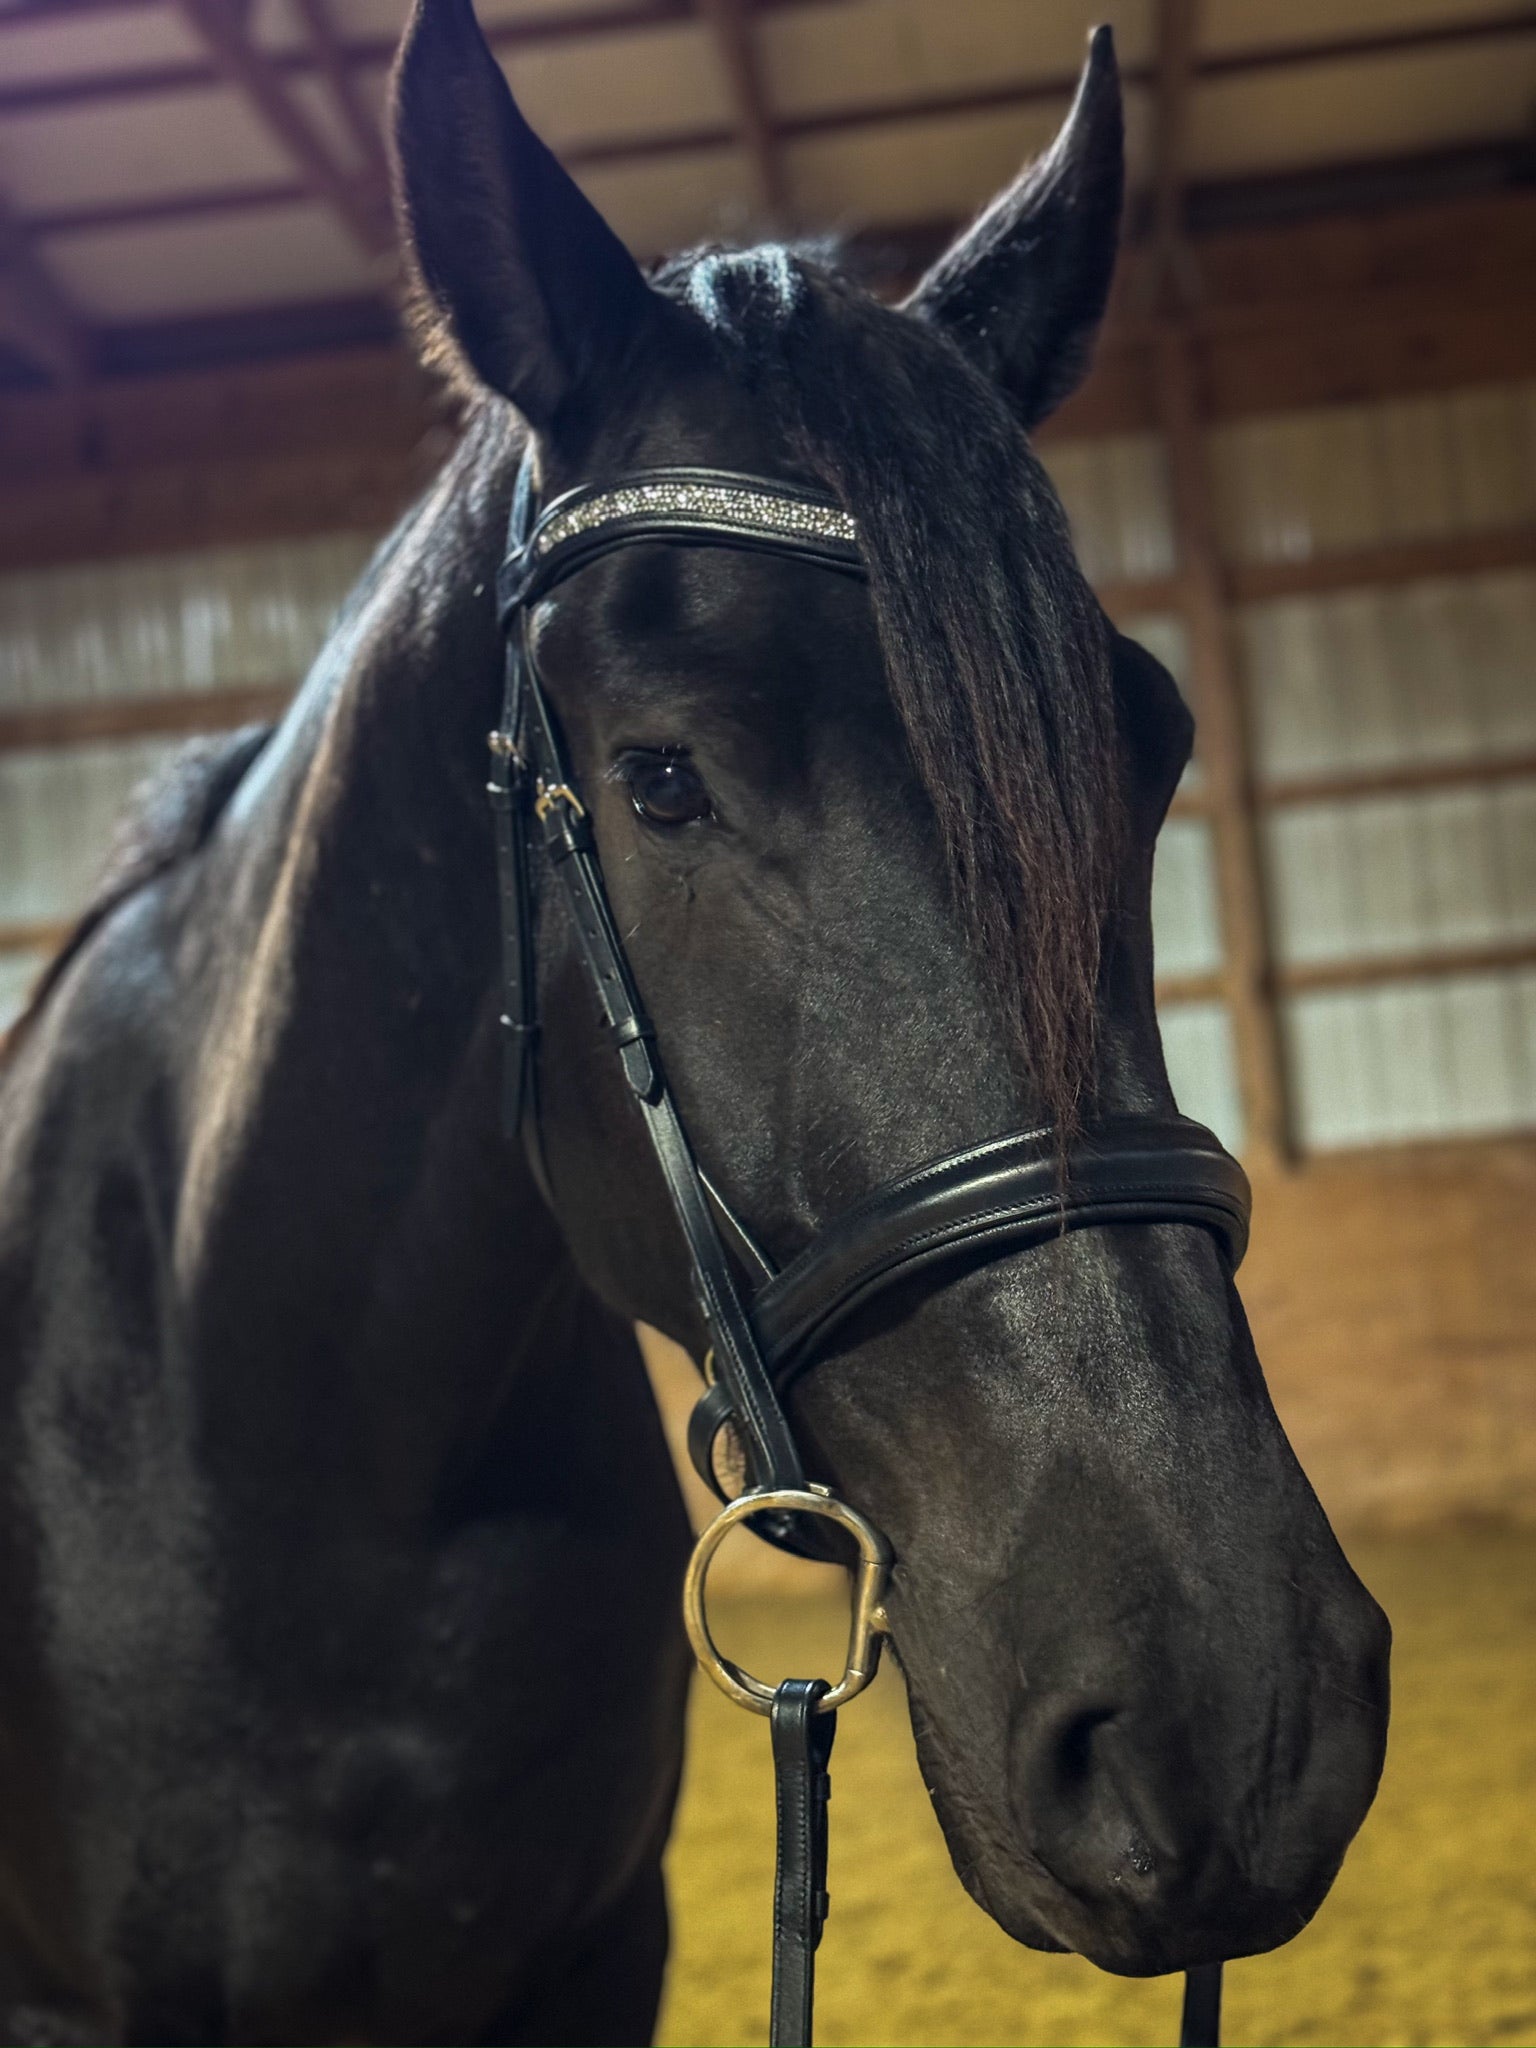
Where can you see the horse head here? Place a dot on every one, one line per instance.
(880, 858)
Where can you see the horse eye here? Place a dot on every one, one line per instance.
(666, 789)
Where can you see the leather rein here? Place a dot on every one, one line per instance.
(766, 1326)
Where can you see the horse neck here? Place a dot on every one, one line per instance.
(351, 1217)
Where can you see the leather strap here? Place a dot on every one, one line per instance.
(1200, 2026)
(1004, 1195)
(549, 799)
(802, 1749)
(773, 1458)
(510, 789)
(696, 507)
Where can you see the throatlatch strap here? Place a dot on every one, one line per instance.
(1201, 2026)
(802, 1749)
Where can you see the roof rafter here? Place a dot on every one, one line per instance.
(540, 31)
(244, 65)
(341, 77)
(1238, 203)
(734, 38)
(36, 317)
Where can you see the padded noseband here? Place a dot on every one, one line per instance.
(1000, 1197)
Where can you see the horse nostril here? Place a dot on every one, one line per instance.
(1075, 1744)
(1078, 1804)
(1064, 1769)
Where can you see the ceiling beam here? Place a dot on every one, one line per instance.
(36, 317)
(574, 22)
(736, 43)
(245, 66)
(590, 26)
(340, 75)
(1287, 198)
(904, 250)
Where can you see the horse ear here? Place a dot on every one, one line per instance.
(513, 272)
(1023, 290)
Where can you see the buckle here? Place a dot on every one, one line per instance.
(548, 794)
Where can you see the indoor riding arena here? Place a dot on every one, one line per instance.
(1301, 472)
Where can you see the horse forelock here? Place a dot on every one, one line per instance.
(995, 649)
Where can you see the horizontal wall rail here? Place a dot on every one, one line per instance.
(1381, 567)
(1436, 964)
(124, 718)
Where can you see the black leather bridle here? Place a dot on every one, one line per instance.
(767, 1326)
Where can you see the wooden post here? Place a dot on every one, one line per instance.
(1224, 753)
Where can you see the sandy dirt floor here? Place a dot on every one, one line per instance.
(1428, 1936)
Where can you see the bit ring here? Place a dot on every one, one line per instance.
(867, 1621)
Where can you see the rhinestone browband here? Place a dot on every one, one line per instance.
(697, 507)
(744, 507)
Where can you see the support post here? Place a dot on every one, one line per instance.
(1225, 754)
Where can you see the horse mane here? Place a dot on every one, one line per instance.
(996, 650)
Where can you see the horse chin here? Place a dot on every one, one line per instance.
(1034, 1910)
(1126, 1946)
(1012, 1891)
(1126, 1949)
(1126, 1936)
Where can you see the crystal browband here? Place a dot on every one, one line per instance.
(743, 507)
(699, 507)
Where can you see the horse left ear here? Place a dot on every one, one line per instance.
(1023, 290)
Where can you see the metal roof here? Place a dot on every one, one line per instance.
(212, 170)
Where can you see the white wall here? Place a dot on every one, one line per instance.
(1439, 673)
(210, 620)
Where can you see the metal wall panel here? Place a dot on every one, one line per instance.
(1437, 673)
(1202, 1066)
(1291, 486)
(1403, 874)
(160, 623)
(1117, 498)
(148, 626)
(57, 812)
(1442, 671)
(1454, 1057)
(1186, 919)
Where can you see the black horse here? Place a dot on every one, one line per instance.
(342, 1684)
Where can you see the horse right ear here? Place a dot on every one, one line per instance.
(1024, 288)
(514, 273)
